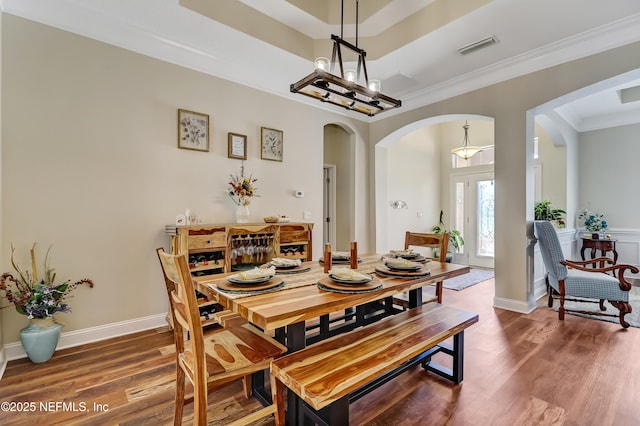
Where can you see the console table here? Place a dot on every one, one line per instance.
(603, 244)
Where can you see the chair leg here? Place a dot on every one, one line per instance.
(602, 307)
(549, 291)
(247, 385)
(199, 404)
(277, 391)
(624, 308)
(561, 308)
(179, 403)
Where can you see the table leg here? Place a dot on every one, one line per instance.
(296, 340)
(415, 298)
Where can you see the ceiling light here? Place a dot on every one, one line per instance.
(351, 89)
(466, 151)
(479, 44)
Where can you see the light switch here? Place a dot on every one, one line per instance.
(306, 215)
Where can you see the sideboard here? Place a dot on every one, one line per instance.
(218, 248)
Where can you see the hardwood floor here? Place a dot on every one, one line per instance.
(519, 370)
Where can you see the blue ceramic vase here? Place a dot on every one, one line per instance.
(40, 339)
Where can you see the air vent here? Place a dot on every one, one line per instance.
(471, 47)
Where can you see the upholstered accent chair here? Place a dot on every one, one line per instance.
(580, 281)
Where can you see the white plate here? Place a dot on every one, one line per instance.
(403, 268)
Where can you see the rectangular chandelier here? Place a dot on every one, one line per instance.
(345, 90)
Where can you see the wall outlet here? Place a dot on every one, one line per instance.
(306, 215)
(299, 194)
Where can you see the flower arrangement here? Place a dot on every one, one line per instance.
(242, 188)
(594, 222)
(37, 297)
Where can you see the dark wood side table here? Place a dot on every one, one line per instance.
(603, 244)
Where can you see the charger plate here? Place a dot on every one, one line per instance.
(339, 261)
(386, 271)
(271, 285)
(285, 271)
(327, 284)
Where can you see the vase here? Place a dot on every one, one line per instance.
(242, 214)
(40, 339)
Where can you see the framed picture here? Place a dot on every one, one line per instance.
(271, 144)
(237, 146)
(193, 130)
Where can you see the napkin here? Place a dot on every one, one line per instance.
(401, 263)
(281, 261)
(256, 273)
(348, 274)
(402, 252)
(341, 255)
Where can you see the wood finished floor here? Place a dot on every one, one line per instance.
(519, 370)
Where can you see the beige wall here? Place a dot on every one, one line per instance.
(90, 164)
(339, 151)
(552, 160)
(508, 103)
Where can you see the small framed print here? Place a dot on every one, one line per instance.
(237, 146)
(271, 144)
(193, 130)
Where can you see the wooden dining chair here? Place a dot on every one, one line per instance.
(433, 241)
(220, 355)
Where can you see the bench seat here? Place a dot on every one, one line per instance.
(327, 372)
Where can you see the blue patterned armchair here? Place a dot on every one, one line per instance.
(575, 279)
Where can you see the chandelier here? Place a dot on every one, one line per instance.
(466, 151)
(351, 89)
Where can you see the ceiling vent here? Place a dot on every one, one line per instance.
(479, 44)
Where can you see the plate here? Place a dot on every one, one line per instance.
(403, 268)
(237, 280)
(412, 255)
(351, 282)
(278, 266)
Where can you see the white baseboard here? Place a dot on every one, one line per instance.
(14, 350)
(513, 305)
(3, 361)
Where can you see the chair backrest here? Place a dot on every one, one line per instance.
(440, 241)
(184, 308)
(550, 249)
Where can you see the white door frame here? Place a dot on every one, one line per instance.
(329, 205)
(470, 215)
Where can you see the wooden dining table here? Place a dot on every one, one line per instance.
(286, 310)
(300, 299)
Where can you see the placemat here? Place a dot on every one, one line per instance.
(386, 271)
(327, 284)
(271, 285)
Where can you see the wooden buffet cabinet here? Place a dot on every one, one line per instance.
(214, 249)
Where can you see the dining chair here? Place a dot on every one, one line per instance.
(220, 355)
(581, 282)
(440, 242)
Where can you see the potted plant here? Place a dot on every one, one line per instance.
(455, 237)
(38, 298)
(543, 211)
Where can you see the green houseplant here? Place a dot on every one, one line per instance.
(543, 211)
(455, 237)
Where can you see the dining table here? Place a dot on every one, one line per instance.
(300, 298)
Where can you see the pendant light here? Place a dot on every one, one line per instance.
(351, 89)
(466, 151)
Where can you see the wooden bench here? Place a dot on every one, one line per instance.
(330, 374)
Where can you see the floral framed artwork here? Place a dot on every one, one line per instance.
(271, 141)
(237, 146)
(193, 130)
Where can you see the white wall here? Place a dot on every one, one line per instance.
(413, 176)
(609, 174)
(90, 164)
(552, 160)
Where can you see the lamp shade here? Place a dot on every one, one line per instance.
(466, 151)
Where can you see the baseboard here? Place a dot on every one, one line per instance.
(513, 305)
(70, 339)
(3, 361)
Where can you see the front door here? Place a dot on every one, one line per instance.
(474, 216)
